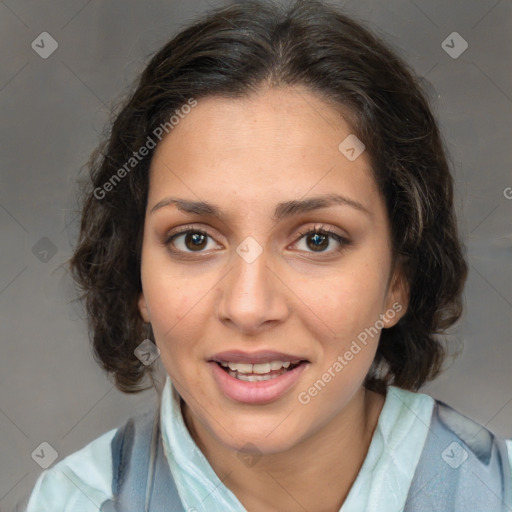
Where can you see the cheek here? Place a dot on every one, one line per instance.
(174, 309)
(181, 314)
(170, 292)
(176, 324)
(348, 301)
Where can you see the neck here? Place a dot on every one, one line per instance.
(325, 464)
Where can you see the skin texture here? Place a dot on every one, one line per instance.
(247, 155)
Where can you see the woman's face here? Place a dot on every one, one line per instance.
(256, 283)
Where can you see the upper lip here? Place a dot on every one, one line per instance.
(261, 356)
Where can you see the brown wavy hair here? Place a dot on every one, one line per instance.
(235, 51)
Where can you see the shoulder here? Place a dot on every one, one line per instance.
(473, 434)
(462, 464)
(82, 481)
(408, 411)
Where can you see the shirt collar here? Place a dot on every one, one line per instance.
(385, 476)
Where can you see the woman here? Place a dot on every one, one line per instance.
(272, 215)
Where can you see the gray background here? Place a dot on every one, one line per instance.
(52, 113)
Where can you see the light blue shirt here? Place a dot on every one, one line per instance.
(82, 481)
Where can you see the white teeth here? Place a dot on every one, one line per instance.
(240, 367)
(254, 378)
(260, 368)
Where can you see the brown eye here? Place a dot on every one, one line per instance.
(318, 240)
(192, 240)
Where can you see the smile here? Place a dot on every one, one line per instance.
(258, 372)
(256, 383)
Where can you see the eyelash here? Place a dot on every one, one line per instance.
(315, 231)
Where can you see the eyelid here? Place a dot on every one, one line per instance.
(322, 229)
(168, 238)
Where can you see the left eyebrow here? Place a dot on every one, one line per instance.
(282, 210)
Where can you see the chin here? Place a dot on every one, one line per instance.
(264, 437)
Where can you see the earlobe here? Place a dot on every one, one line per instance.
(143, 308)
(398, 301)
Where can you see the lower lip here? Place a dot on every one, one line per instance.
(259, 392)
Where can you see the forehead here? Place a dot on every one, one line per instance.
(275, 145)
(276, 117)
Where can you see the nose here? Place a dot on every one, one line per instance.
(253, 297)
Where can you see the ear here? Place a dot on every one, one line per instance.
(143, 308)
(397, 300)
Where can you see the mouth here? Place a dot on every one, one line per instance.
(258, 372)
(256, 378)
